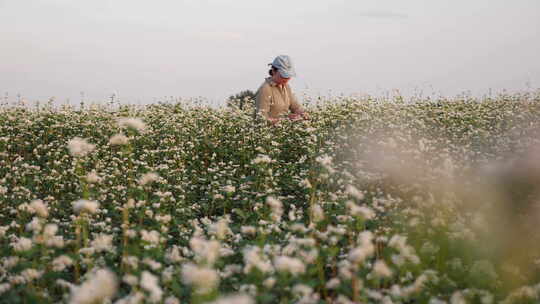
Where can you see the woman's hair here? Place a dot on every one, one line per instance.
(272, 70)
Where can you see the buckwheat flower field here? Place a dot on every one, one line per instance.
(369, 201)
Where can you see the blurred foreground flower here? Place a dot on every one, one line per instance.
(118, 140)
(234, 299)
(133, 123)
(82, 205)
(287, 264)
(204, 279)
(79, 147)
(98, 288)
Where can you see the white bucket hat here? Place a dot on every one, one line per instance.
(284, 65)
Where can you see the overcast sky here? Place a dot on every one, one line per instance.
(144, 50)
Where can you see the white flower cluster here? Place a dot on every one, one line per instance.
(133, 123)
(118, 140)
(221, 229)
(380, 269)
(262, 159)
(218, 230)
(99, 287)
(365, 249)
(291, 265)
(40, 208)
(153, 237)
(276, 207)
(229, 189)
(352, 191)
(206, 251)
(317, 213)
(150, 283)
(203, 278)
(148, 178)
(85, 206)
(92, 177)
(361, 211)
(254, 259)
(22, 244)
(80, 147)
(61, 263)
(234, 299)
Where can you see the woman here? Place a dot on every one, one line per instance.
(274, 98)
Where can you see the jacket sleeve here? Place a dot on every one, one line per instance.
(295, 106)
(263, 100)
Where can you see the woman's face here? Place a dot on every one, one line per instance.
(278, 79)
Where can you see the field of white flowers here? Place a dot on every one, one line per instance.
(370, 201)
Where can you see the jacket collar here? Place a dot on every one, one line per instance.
(272, 82)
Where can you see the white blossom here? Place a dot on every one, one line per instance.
(269, 282)
(253, 259)
(204, 279)
(457, 298)
(262, 159)
(276, 208)
(147, 178)
(324, 160)
(61, 263)
(352, 191)
(85, 206)
(22, 244)
(4, 287)
(333, 283)
(362, 211)
(288, 264)
(92, 177)
(40, 208)
(229, 189)
(234, 299)
(35, 225)
(100, 286)
(153, 237)
(118, 140)
(171, 300)
(365, 250)
(79, 147)
(317, 213)
(221, 229)
(131, 122)
(150, 283)
(380, 269)
(102, 242)
(50, 230)
(205, 250)
(248, 230)
(31, 274)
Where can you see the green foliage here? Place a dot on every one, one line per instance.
(241, 100)
(368, 201)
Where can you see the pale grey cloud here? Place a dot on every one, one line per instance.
(383, 15)
(220, 35)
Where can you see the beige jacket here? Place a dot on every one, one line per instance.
(273, 100)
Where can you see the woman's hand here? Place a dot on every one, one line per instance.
(273, 121)
(294, 116)
(298, 116)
